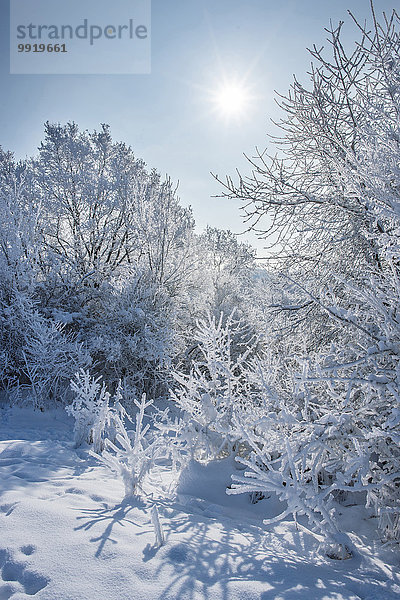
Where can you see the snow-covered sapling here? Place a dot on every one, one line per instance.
(219, 385)
(133, 455)
(94, 417)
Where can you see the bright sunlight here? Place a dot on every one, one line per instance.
(231, 100)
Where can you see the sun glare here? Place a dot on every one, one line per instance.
(231, 100)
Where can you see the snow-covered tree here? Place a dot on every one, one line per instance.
(330, 205)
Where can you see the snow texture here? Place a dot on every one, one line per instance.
(67, 532)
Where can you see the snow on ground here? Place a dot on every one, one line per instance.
(67, 534)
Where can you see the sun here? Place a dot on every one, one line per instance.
(231, 100)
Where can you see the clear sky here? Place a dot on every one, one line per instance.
(167, 116)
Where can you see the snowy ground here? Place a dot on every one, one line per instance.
(65, 534)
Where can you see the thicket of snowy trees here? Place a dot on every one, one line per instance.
(296, 371)
(100, 267)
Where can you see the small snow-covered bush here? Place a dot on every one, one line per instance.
(132, 455)
(51, 357)
(95, 417)
(36, 352)
(130, 334)
(289, 458)
(220, 383)
(11, 337)
(332, 439)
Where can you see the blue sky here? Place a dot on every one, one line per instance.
(167, 116)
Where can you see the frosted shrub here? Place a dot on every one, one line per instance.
(132, 455)
(51, 357)
(176, 437)
(219, 384)
(94, 416)
(333, 439)
(291, 465)
(133, 335)
(36, 352)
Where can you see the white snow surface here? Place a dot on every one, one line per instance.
(66, 533)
